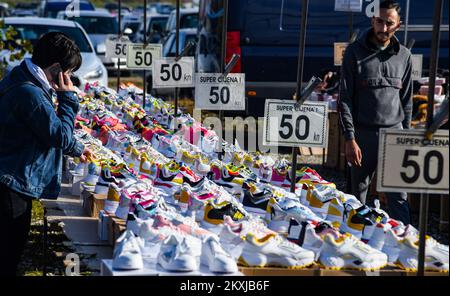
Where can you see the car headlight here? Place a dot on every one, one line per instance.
(97, 73)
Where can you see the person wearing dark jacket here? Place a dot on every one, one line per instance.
(376, 92)
(33, 137)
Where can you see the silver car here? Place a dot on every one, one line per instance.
(98, 24)
(33, 28)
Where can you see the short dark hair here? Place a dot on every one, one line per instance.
(57, 47)
(391, 4)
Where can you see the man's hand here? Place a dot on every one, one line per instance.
(353, 153)
(64, 84)
(87, 154)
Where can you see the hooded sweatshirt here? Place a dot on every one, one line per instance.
(376, 86)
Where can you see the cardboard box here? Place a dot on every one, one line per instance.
(103, 222)
(88, 202)
(336, 149)
(279, 271)
(98, 204)
(119, 226)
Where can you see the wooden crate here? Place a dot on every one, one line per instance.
(335, 151)
(317, 271)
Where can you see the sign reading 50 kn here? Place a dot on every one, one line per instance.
(291, 125)
(213, 91)
(408, 162)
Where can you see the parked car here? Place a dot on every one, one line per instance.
(25, 9)
(98, 25)
(155, 25)
(132, 22)
(169, 50)
(113, 8)
(188, 19)
(162, 7)
(50, 8)
(33, 28)
(266, 35)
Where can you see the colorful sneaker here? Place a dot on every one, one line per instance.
(320, 198)
(113, 198)
(348, 252)
(178, 254)
(274, 250)
(282, 210)
(216, 258)
(214, 215)
(436, 255)
(127, 252)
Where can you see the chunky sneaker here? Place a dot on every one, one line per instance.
(436, 255)
(356, 220)
(178, 254)
(231, 180)
(147, 168)
(282, 210)
(255, 200)
(311, 178)
(93, 174)
(348, 252)
(274, 250)
(104, 180)
(216, 258)
(201, 166)
(320, 198)
(214, 215)
(127, 252)
(393, 239)
(169, 178)
(310, 236)
(112, 200)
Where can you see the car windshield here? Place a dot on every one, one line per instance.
(134, 26)
(97, 24)
(33, 32)
(161, 22)
(189, 21)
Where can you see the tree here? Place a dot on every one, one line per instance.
(12, 46)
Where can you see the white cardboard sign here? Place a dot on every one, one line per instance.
(408, 162)
(167, 73)
(290, 125)
(213, 91)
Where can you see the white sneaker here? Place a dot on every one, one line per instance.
(178, 254)
(349, 252)
(216, 258)
(393, 242)
(436, 255)
(274, 250)
(127, 252)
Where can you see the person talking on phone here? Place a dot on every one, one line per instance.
(34, 135)
(376, 92)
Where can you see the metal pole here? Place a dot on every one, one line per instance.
(44, 269)
(350, 25)
(145, 43)
(301, 58)
(177, 51)
(222, 62)
(119, 33)
(406, 22)
(430, 113)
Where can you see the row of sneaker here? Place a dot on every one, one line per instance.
(244, 185)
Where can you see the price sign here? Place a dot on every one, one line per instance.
(167, 73)
(213, 91)
(116, 47)
(339, 50)
(140, 56)
(348, 5)
(417, 65)
(408, 162)
(290, 125)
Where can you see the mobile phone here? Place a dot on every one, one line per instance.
(54, 72)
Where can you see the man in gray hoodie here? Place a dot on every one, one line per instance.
(376, 92)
